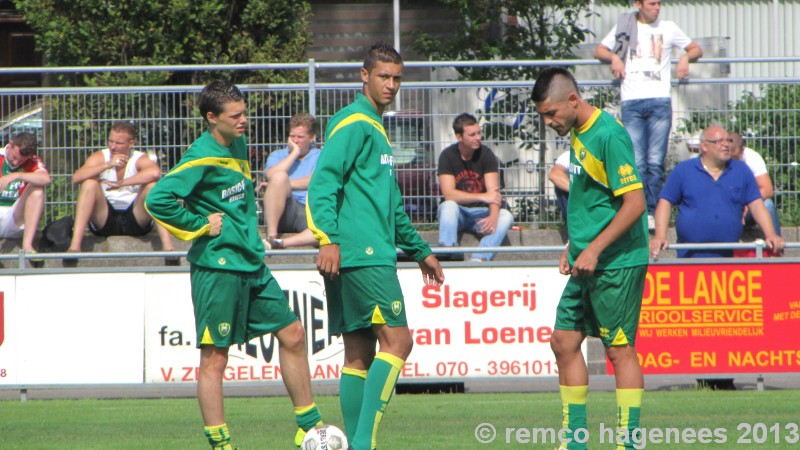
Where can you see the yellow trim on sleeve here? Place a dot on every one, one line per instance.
(631, 187)
(177, 232)
(318, 234)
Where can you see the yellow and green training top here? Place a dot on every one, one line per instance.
(602, 169)
(353, 197)
(211, 178)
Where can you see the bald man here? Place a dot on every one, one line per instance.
(606, 257)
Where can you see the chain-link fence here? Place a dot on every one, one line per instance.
(73, 122)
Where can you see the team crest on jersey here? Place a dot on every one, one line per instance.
(582, 154)
(626, 174)
(397, 307)
(224, 328)
(222, 261)
(369, 251)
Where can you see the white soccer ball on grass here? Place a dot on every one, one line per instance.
(325, 437)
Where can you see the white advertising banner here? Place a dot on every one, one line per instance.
(484, 322)
(9, 338)
(73, 329)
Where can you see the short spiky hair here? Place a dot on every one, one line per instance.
(463, 120)
(544, 83)
(381, 52)
(215, 95)
(26, 143)
(124, 127)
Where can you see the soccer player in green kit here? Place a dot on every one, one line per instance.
(234, 294)
(355, 211)
(606, 257)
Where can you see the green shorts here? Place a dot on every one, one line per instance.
(234, 307)
(364, 296)
(606, 305)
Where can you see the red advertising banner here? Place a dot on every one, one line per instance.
(721, 318)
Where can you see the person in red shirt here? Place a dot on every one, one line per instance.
(24, 177)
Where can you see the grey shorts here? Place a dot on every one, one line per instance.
(293, 219)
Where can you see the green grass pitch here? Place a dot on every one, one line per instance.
(750, 420)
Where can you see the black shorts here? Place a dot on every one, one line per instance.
(120, 223)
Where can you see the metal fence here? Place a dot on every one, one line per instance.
(73, 122)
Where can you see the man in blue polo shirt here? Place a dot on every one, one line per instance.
(711, 193)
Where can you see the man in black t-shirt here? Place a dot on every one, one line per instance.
(469, 180)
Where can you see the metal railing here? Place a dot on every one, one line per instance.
(22, 257)
(73, 122)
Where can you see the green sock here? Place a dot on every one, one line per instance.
(218, 436)
(573, 402)
(378, 390)
(629, 406)
(307, 417)
(351, 394)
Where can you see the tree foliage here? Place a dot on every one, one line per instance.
(133, 32)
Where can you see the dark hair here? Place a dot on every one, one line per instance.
(541, 89)
(26, 143)
(215, 95)
(124, 127)
(304, 120)
(381, 52)
(463, 120)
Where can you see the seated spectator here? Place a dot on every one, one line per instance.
(22, 184)
(469, 180)
(287, 173)
(759, 168)
(559, 176)
(711, 193)
(114, 183)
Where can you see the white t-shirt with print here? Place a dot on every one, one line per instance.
(647, 67)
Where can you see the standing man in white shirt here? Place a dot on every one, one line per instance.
(639, 49)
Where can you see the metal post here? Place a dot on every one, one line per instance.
(312, 87)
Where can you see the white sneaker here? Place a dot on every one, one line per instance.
(651, 223)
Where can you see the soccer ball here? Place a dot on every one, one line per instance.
(324, 437)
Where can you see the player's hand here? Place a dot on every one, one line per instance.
(657, 244)
(329, 261)
(432, 274)
(563, 263)
(585, 263)
(215, 224)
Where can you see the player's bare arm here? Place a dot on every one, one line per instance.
(329, 261)
(633, 206)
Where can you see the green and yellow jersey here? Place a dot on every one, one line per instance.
(602, 169)
(211, 178)
(353, 197)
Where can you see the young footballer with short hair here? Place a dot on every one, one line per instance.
(356, 212)
(606, 257)
(235, 296)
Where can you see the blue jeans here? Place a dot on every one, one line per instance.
(773, 212)
(454, 218)
(648, 122)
